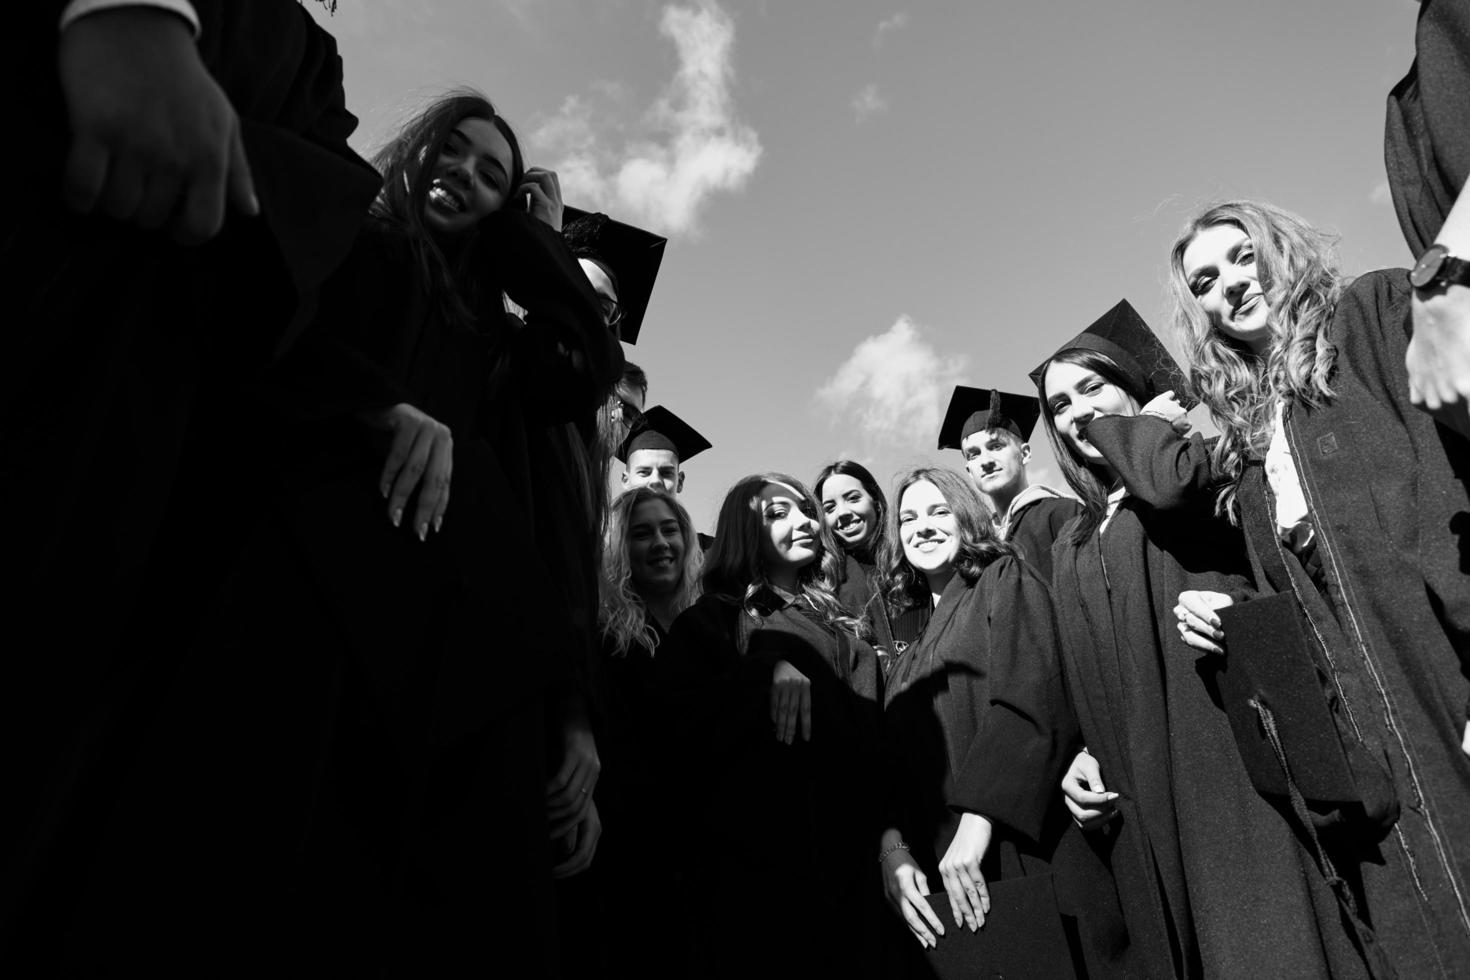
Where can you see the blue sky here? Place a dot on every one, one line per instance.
(868, 203)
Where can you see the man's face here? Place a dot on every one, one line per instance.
(996, 461)
(647, 467)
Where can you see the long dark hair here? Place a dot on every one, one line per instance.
(1086, 480)
(734, 568)
(406, 163)
(859, 472)
(904, 586)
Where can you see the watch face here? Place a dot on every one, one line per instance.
(1427, 268)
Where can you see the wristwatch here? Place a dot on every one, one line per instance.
(1437, 267)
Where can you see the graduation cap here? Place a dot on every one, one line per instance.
(1280, 717)
(659, 428)
(1121, 334)
(977, 409)
(1022, 935)
(631, 254)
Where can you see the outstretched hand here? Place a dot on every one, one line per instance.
(420, 458)
(969, 897)
(791, 702)
(907, 891)
(1438, 358)
(155, 141)
(569, 791)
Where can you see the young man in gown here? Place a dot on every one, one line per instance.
(992, 430)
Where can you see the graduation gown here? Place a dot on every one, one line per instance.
(859, 596)
(638, 868)
(1034, 527)
(783, 835)
(1388, 503)
(976, 721)
(131, 359)
(1212, 881)
(1426, 139)
(362, 713)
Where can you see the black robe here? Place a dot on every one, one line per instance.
(1387, 496)
(138, 349)
(780, 838)
(977, 721)
(892, 632)
(364, 715)
(638, 868)
(1212, 881)
(1034, 529)
(1426, 139)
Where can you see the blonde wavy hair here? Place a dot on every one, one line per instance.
(624, 615)
(1296, 265)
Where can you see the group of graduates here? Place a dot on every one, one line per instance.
(334, 657)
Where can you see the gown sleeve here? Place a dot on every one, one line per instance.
(1371, 329)
(1426, 138)
(1011, 771)
(1160, 467)
(566, 359)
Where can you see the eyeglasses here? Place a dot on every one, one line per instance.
(630, 412)
(612, 312)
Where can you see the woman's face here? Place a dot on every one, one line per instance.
(850, 510)
(927, 529)
(1075, 395)
(789, 539)
(1220, 270)
(655, 548)
(470, 179)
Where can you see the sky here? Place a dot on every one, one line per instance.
(868, 203)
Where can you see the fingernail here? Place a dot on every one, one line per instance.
(384, 490)
(1112, 796)
(424, 531)
(397, 516)
(438, 524)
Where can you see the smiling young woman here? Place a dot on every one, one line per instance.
(1353, 501)
(779, 694)
(403, 676)
(650, 574)
(856, 512)
(979, 729)
(1161, 789)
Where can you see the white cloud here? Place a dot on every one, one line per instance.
(888, 25)
(688, 146)
(892, 387)
(1380, 194)
(868, 103)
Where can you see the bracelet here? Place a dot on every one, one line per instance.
(900, 846)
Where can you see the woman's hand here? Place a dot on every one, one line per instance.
(791, 700)
(1088, 800)
(1166, 406)
(969, 899)
(905, 887)
(420, 458)
(581, 842)
(1198, 623)
(542, 190)
(1465, 742)
(569, 792)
